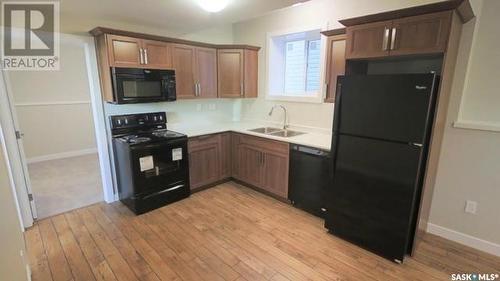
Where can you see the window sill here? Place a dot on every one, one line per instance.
(304, 99)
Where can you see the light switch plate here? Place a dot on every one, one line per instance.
(470, 207)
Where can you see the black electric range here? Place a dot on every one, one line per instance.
(151, 162)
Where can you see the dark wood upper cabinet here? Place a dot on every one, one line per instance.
(183, 57)
(196, 64)
(157, 54)
(369, 40)
(250, 82)
(230, 73)
(206, 72)
(138, 53)
(424, 34)
(335, 64)
(195, 71)
(124, 51)
(237, 73)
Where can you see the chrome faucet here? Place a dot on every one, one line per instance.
(284, 110)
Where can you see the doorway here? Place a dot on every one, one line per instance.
(51, 120)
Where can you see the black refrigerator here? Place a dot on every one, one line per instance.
(381, 133)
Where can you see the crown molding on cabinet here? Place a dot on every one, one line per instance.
(333, 32)
(104, 30)
(463, 8)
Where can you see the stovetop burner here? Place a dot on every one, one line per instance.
(167, 134)
(134, 139)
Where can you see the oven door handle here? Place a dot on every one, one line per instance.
(163, 191)
(172, 143)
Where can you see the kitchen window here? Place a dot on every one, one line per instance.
(295, 66)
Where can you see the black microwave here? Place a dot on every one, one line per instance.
(137, 85)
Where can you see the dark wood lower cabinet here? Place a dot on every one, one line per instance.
(276, 174)
(225, 153)
(259, 162)
(204, 160)
(262, 163)
(209, 159)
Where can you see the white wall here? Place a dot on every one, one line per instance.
(53, 107)
(196, 112)
(481, 98)
(215, 35)
(12, 264)
(469, 167)
(312, 13)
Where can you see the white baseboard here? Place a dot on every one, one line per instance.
(62, 155)
(464, 239)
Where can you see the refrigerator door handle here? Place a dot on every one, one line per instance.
(416, 144)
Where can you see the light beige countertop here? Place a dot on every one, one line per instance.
(314, 138)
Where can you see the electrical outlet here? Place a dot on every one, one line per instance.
(470, 207)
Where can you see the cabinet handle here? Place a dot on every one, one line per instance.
(385, 42)
(145, 56)
(195, 89)
(393, 38)
(141, 56)
(241, 89)
(199, 89)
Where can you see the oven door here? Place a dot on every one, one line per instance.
(159, 166)
(142, 85)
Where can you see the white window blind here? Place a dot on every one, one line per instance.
(295, 65)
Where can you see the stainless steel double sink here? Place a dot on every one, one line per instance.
(276, 132)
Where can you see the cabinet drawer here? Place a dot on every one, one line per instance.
(265, 144)
(200, 141)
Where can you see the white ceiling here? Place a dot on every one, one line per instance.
(181, 16)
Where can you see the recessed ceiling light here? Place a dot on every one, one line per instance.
(213, 6)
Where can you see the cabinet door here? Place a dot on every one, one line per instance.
(157, 54)
(235, 144)
(183, 58)
(335, 64)
(225, 155)
(251, 162)
(276, 174)
(422, 34)
(368, 40)
(206, 72)
(230, 73)
(124, 51)
(250, 83)
(204, 165)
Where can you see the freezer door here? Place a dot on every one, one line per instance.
(373, 194)
(392, 107)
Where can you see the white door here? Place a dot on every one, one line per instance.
(17, 159)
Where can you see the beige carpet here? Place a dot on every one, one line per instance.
(65, 184)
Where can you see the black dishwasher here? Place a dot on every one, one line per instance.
(309, 177)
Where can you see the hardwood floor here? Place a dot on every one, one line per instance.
(228, 232)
